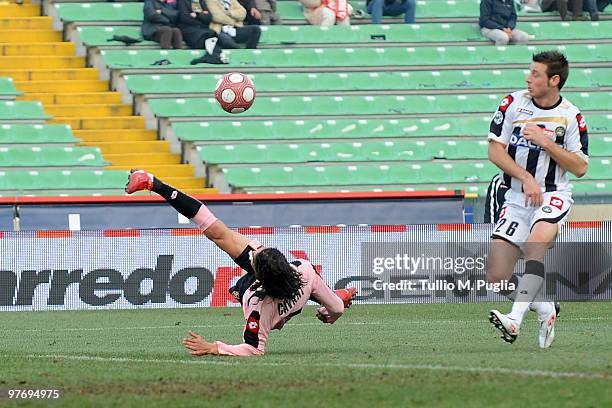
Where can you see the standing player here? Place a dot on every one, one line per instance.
(271, 292)
(535, 138)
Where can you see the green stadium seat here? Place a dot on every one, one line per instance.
(359, 105)
(361, 174)
(350, 81)
(268, 130)
(22, 111)
(288, 10)
(480, 189)
(36, 156)
(599, 169)
(7, 89)
(61, 180)
(98, 36)
(348, 57)
(591, 187)
(16, 134)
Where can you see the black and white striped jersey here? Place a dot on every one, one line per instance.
(562, 122)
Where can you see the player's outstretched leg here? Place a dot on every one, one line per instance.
(188, 206)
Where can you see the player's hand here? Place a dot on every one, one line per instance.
(535, 135)
(324, 316)
(256, 14)
(199, 346)
(533, 192)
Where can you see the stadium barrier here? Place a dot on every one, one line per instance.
(171, 268)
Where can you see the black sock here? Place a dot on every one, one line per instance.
(183, 203)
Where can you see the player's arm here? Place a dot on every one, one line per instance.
(500, 157)
(332, 306)
(499, 137)
(255, 338)
(574, 162)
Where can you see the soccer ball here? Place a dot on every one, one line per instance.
(235, 92)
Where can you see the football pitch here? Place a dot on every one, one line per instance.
(432, 355)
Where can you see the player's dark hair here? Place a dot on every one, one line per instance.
(556, 64)
(277, 277)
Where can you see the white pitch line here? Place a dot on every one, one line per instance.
(212, 326)
(427, 367)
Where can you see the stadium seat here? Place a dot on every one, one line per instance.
(25, 134)
(22, 111)
(361, 174)
(37, 156)
(99, 36)
(347, 57)
(359, 105)
(351, 81)
(304, 130)
(7, 89)
(61, 180)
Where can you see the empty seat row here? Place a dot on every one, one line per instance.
(481, 55)
(308, 129)
(377, 174)
(388, 150)
(45, 156)
(359, 105)
(363, 81)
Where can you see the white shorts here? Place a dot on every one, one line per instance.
(516, 221)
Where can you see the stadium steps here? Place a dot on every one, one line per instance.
(133, 147)
(162, 170)
(58, 98)
(101, 136)
(74, 74)
(89, 110)
(49, 72)
(37, 49)
(63, 86)
(29, 35)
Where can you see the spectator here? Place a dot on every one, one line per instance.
(498, 22)
(228, 22)
(268, 11)
(326, 13)
(160, 23)
(578, 6)
(393, 8)
(552, 5)
(253, 15)
(194, 22)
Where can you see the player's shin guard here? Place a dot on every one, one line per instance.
(527, 290)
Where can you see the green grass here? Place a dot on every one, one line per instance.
(442, 355)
